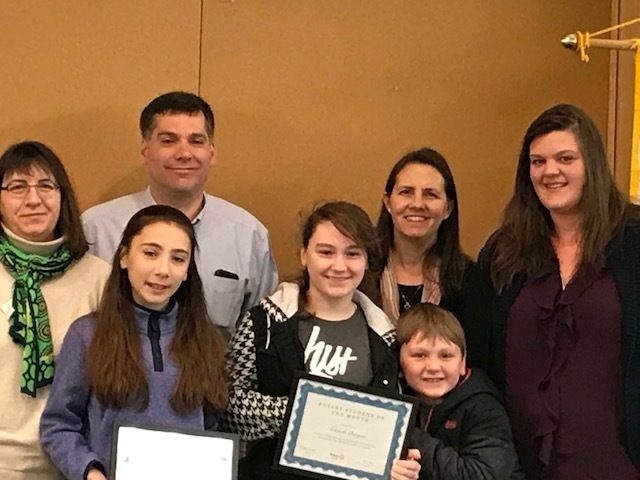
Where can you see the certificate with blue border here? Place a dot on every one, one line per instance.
(337, 430)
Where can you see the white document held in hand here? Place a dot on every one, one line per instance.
(145, 453)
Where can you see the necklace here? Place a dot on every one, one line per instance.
(407, 301)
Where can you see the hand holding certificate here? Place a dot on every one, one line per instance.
(335, 430)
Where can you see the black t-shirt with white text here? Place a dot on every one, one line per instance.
(337, 349)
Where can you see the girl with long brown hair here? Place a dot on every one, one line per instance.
(148, 354)
(564, 272)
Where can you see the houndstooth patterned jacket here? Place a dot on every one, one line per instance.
(255, 415)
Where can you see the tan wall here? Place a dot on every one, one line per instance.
(75, 74)
(314, 100)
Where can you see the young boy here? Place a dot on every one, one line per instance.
(462, 430)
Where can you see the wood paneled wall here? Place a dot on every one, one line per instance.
(313, 100)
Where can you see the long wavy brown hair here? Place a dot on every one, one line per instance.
(116, 368)
(523, 241)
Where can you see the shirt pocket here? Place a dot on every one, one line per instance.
(224, 301)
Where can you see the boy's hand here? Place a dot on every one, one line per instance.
(95, 474)
(408, 469)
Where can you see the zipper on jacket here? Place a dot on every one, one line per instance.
(268, 341)
(426, 424)
(153, 332)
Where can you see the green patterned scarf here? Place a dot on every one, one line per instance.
(29, 322)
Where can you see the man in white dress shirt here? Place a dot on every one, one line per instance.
(234, 257)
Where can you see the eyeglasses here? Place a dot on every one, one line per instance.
(19, 189)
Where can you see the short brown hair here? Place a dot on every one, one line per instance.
(430, 320)
(354, 223)
(174, 103)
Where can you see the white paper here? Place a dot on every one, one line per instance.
(161, 455)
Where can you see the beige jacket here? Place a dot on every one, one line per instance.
(68, 297)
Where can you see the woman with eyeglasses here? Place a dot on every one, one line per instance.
(47, 280)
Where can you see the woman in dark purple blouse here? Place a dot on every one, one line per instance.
(564, 303)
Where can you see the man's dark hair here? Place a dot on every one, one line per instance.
(174, 103)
